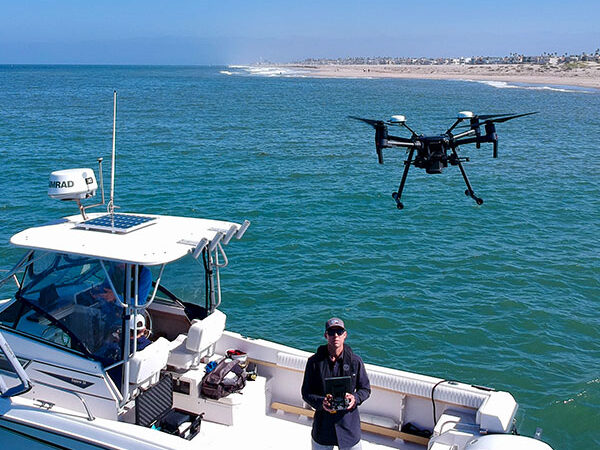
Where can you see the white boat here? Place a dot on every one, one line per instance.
(71, 377)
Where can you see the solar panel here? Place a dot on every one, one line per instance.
(116, 223)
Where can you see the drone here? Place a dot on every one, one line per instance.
(434, 153)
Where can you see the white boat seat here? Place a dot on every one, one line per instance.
(145, 365)
(186, 352)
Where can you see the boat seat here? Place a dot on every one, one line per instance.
(186, 352)
(145, 365)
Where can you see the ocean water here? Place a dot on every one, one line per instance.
(504, 294)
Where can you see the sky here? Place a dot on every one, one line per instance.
(242, 32)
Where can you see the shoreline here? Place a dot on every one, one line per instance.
(585, 76)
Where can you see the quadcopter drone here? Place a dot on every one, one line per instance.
(432, 151)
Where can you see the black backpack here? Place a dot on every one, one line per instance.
(215, 386)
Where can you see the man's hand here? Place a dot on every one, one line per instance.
(351, 401)
(327, 404)
(107, 295)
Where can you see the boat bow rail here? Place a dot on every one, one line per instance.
(17, 368)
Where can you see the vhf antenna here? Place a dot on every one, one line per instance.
(111, 204)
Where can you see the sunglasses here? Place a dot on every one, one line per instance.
(335, 331)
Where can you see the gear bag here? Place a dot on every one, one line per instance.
(228, 377)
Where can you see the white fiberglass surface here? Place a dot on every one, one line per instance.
(166, 239)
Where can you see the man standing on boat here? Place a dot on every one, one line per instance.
(332, 427)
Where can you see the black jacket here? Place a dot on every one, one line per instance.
(342, 428)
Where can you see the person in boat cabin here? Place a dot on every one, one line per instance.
(142, 333)
(112, 311)
(333, 427)
(117, 274)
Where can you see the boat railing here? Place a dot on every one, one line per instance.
(26, 383)
(12, 360)
(11, 275)
(90, 416)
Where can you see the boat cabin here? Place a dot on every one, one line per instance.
(90, 309)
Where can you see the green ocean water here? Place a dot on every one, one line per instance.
(504, 294)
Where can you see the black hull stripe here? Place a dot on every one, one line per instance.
(47, 442)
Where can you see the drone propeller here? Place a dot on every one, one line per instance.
(381, 135)
(512, 116)
(479, 116)
(371, 122)
(491, 118)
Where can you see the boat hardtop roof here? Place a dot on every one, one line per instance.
(162, 240)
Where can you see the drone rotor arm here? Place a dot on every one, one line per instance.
(471, 140)
(464, 134)
(397, 141)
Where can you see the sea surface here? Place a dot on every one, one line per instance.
(505, 294)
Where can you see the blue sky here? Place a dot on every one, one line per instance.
(232, 31)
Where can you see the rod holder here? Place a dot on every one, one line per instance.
(242, 229)
(199, 247)
(213, 244)
(229, 234)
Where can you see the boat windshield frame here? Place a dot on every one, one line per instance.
(51, 295)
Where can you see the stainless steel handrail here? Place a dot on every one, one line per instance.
(90, 416)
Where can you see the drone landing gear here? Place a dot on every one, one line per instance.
(399, 204)
(469, 191)
(471, 194)
(396, 195)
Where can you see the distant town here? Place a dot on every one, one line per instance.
(513, 58)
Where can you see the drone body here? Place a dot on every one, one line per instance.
(434, 153)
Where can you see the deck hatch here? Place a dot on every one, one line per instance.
(116, 223)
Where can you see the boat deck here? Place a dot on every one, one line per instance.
(269, 432)
(259, 424)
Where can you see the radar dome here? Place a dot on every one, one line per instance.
(72, 184)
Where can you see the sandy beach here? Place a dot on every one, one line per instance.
(585, 75)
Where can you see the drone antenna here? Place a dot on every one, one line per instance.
(410, 129)
(462, 115)
(111, 203)
(459, 120)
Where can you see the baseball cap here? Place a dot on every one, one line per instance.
(334, 322)
(140, 321)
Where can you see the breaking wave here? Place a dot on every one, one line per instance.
(265, 71)
(535, 87)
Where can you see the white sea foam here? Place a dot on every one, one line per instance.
(534, 87)
(267, 71)
(226, 72)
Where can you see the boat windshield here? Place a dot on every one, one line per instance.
(68, 300)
